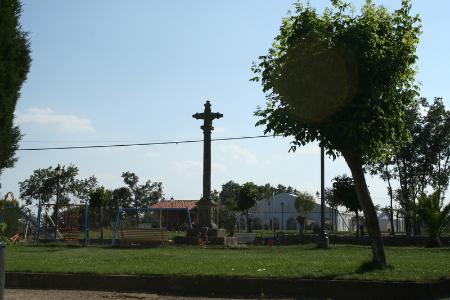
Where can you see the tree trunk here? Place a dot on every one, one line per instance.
(355, 164)
(101, 224)
(249, 228)
(357, 224)
(391, 211)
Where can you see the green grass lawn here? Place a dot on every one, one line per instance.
(338, 262)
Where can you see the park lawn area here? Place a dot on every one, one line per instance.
(303, 261)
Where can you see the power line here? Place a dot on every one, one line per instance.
(143, 144)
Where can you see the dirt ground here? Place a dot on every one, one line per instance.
(11, 294)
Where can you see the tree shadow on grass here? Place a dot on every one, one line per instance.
(369, 266)
(365, 267)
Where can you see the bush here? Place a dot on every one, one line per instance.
(3, 237)
(316, 228)
(227, 220)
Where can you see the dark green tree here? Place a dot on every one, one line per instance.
(385, 170)
(422, 163)
(98, 200)
(15, 63)
(120, 197)
(84, 188)
(142, 195)
(227, 219)
(435, 216)
(247, 198)
(344, 80)
(283, 189)
(304, 204)
(229, 194)
(42, 185)
(344, 194)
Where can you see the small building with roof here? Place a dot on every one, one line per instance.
(174, 214)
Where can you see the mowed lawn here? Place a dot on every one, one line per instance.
(338, 262)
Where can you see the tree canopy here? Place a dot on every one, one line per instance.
(341, 79)
(423, 162)
(100, 197)
(42, 185)
(344, 193)
(15, 63)
(304, 203)
(248, 196)
(435, 215)
(230, 192)
(142, 195)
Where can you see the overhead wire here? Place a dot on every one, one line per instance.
(144, 144)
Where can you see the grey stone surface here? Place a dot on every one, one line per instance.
(204, 206)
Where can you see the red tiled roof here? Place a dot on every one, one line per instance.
(189, 204)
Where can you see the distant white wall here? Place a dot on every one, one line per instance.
(281, 209)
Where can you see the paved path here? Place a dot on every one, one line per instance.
(12, 294)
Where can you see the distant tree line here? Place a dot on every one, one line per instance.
(41, 187)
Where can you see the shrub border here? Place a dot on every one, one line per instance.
(230, 286)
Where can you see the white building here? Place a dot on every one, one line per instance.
(385, 224)
(280, 212)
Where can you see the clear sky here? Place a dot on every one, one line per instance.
(112, 71)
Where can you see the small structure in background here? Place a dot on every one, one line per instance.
(173, 214)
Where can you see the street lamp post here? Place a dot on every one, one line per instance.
(58, 175)
(217, 196)
(323, 237)
(282, 218)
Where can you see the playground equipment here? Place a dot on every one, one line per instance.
(72, 220)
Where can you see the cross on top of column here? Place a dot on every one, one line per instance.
(208, 117)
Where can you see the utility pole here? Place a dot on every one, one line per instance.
(323, 237)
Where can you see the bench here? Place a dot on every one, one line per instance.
(245, 237)
(143, 236)
(71, 235)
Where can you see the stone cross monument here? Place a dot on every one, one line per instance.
(205, 205)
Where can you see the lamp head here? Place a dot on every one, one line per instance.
(58, 170)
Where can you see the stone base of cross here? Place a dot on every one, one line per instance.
(205, 212)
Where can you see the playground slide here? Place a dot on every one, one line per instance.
(29, 217)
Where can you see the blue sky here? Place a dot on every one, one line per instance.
(113, 71)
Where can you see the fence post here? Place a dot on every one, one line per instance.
(86, 224)
(2, 270)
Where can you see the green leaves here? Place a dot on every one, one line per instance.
(341, 79)
(140, 195)
(14, 66)
(247, 197)
(100, 197)
(344, 193)
(434, 215)
(42, 185)
(304, 203)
